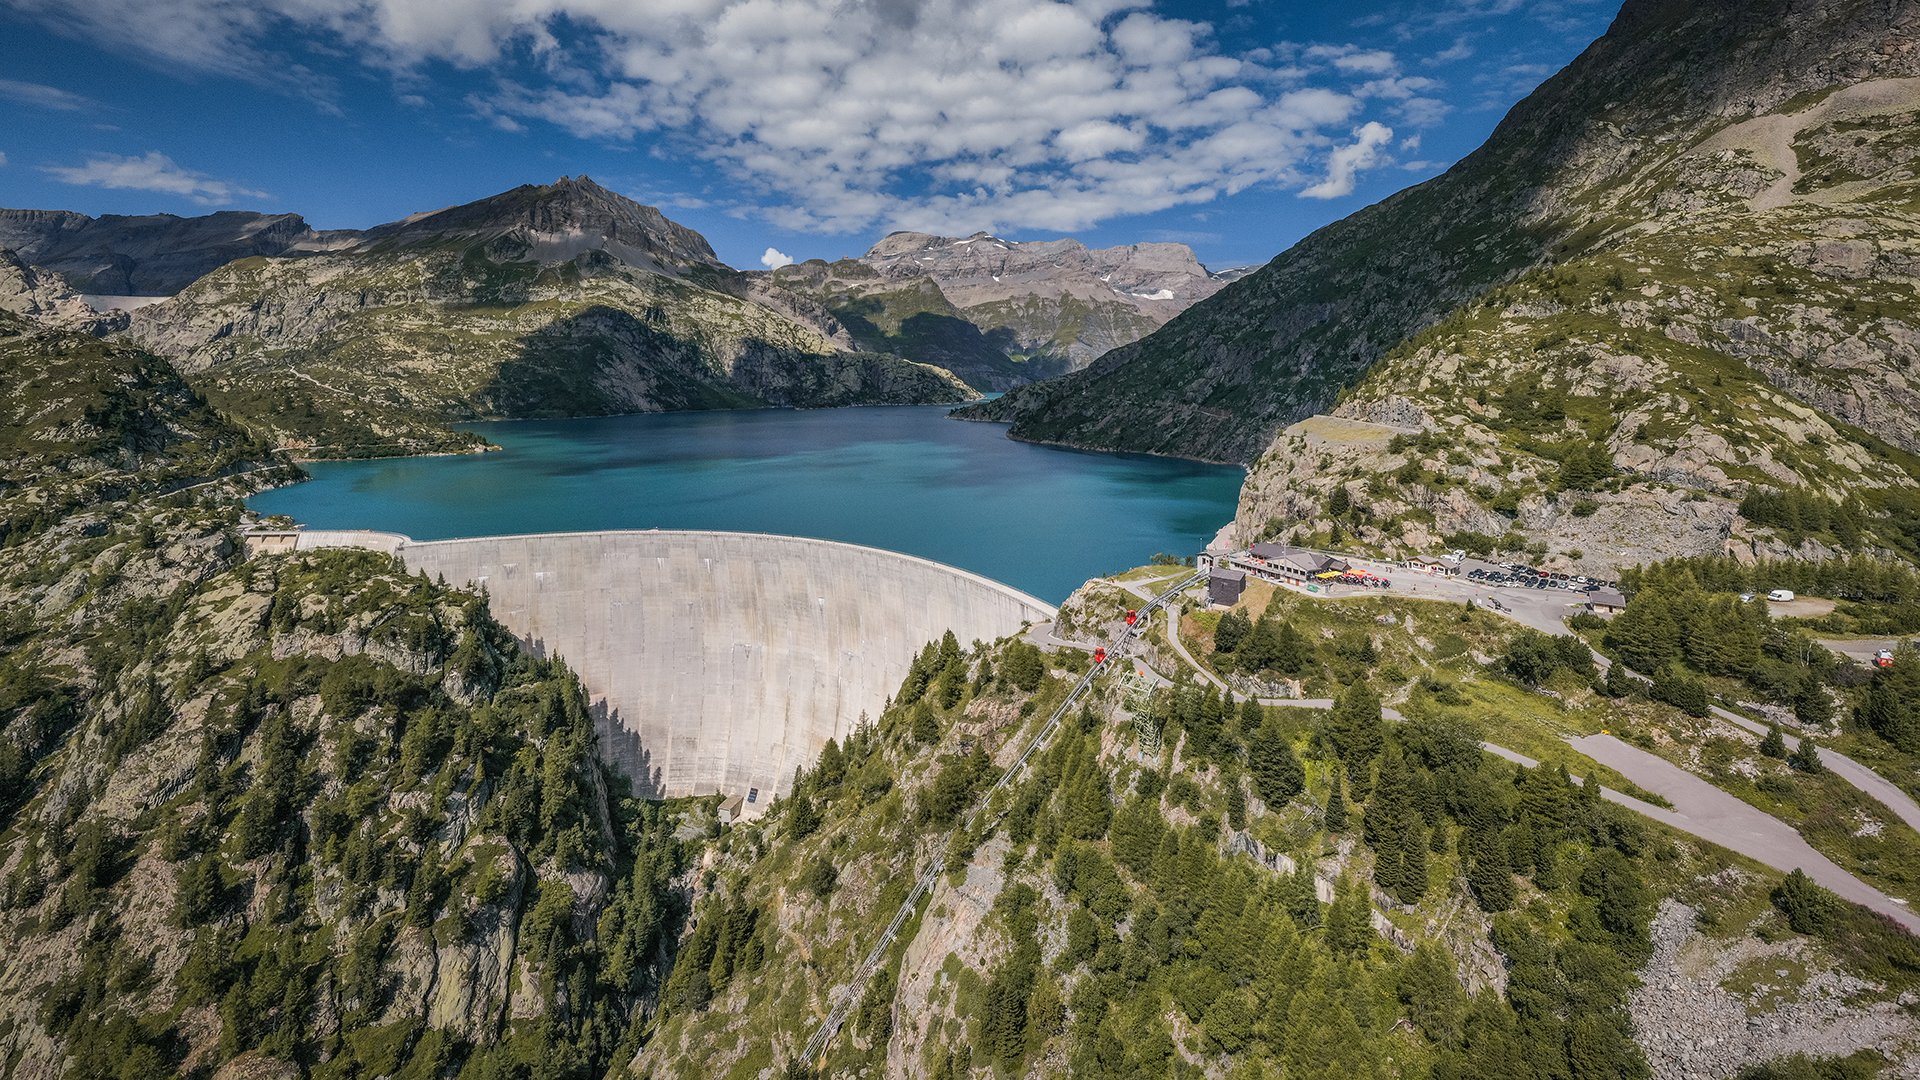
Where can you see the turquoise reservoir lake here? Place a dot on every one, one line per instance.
(903, 478)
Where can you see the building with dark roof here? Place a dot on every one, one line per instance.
(1285, 562)
(1606, 601)
(1225, 585)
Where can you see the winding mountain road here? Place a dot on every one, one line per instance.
(1698, 808)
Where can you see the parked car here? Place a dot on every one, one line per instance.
(1746, 598)
(1780, 595)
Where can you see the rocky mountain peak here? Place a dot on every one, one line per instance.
(985, 266)
(559, 221)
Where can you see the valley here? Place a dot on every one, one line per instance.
(509, 642)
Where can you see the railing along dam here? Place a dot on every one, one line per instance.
(717, 662)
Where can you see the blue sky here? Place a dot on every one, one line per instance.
(810, 127)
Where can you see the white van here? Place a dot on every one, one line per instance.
(1780, 595)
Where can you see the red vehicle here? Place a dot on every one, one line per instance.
(1099, 656)
(1883, 658)
(1132, 615)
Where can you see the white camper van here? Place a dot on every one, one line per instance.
(1780, 595)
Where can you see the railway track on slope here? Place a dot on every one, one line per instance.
(929, 877)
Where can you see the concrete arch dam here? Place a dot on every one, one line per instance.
(718, 662)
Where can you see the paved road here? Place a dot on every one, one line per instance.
(1861, 650)
(1542, 609)
(1698, 808)
(1877, 787)
(1707, 812)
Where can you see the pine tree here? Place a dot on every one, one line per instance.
(1277, 773)
(1292, 652)
(1349, 919)
(1806, 758)
(1808, 907)
(1774, 745)
(1232, 629)
(1323, 1039)
(1236, 803)
(1336, 812)
(1811, 705)
(802, 817)
(925, 728)
(1354, 725)
(1489, 870)
(1260, 648)
(1432, 995)
(1393, 828)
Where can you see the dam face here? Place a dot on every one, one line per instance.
(718, 662)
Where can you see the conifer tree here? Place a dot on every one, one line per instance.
(1292, 652)
(1277, 773)
(1808, 907)
(1354, 725)
(1232, 629)
(1336, 812)
(1774, 745)
(1812, 708)
(1489, 870)
(1806, 758)
(1349, 919)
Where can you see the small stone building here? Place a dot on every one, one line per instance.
(1225, 585)
(1606, 601)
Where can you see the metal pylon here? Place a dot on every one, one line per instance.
(1136, 696)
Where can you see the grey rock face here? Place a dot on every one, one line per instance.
(44, 297)
(1037, 288)
(150, 255)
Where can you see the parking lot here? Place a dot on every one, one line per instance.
(1542, 609)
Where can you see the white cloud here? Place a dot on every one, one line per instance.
(3, 159)
(152, 171)
(940, 114)
(1344, 164)
(1353, 59)
(774, 259)
(45, 97)
(1461, 49)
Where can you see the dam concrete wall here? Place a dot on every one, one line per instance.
(718, 662)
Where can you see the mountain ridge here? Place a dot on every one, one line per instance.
(1695, 244)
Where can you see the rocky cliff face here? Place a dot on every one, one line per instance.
(1001, 313)
(45, 297)
(561, 300)
(150, 255)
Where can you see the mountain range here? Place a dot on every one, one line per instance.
(279, 815)
(1001, 313)
(567, 299)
